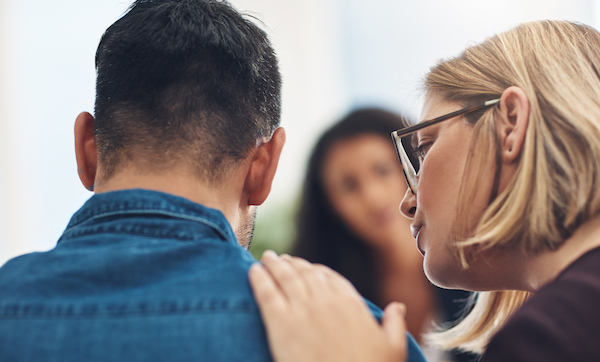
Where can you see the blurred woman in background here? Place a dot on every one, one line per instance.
(349, 218)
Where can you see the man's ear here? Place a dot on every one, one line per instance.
(512, 124)
(262, 168)
(85, 150)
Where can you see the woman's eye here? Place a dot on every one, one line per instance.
(349, 185)
(383, 169)
(422, 150)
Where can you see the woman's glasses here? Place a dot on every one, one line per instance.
(408, 160)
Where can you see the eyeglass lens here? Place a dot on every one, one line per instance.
(410, 152)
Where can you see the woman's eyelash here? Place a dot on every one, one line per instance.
(421, 150)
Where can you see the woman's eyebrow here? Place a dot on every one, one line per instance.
(424, 132)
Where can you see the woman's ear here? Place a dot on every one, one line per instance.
(262, 168)
(85, 150)
(512, 124)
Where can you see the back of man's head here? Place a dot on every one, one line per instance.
(183, 82)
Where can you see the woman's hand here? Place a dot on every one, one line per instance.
(311, 313)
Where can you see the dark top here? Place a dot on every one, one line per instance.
(561, 321)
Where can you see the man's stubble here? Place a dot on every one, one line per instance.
(245, 230)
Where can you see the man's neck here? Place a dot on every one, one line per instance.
(221, 196)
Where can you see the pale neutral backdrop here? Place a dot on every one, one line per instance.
(335, 55)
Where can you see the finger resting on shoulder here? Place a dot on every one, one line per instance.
(338, 282)
(394, 326)
(285, 276)
(316, 278)
(267, 293)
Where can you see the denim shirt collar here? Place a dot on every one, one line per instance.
(139, 201)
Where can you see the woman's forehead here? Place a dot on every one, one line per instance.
(435, 106)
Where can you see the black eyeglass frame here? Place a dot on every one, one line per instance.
(410, 175)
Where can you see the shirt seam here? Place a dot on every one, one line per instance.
(39, 311)
(149, 212)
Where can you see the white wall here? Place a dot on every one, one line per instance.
(392, 44)
(46, 79)
(335, 55)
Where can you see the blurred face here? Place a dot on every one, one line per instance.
(445, 148)
(364, 182)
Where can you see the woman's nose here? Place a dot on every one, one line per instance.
(408, 206)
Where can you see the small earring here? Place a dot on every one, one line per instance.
(510, 150)
(91, 188)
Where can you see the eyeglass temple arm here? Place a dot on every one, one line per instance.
(416, 127)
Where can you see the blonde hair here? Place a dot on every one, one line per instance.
(556, 187)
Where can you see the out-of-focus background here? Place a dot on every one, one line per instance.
(335, 55)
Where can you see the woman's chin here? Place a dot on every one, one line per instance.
(443, 276)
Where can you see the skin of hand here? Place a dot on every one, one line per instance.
(311, 313)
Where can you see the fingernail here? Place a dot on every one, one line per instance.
(269, 254)
(256, 268)
(402, 309)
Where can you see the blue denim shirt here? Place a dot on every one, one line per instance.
(137, 275)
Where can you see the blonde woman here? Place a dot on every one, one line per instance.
(505, 201)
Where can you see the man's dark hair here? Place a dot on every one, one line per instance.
(184, 81)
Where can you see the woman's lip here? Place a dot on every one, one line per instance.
(416, 231)
(420, 250)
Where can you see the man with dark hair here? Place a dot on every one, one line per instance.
(183, 145)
